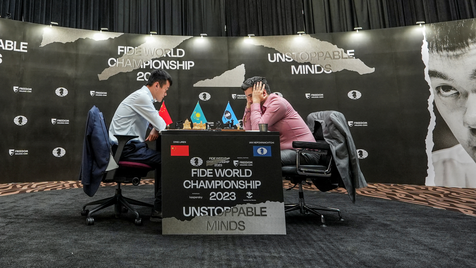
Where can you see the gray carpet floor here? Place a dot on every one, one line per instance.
(46, 229)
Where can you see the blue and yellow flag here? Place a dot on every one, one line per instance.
(229, 115)
(197, 115)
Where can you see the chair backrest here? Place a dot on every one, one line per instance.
(318, 134)
(96, 151)
(343, 147)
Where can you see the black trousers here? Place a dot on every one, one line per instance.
(141, 153)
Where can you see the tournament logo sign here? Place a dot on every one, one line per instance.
(61, 92)
(262, 151)
(94, 93)
(204, 96)
(20, 120)
(15, 152)
(18, 89)
(196, 161)
(238, 96)
(354, 94)
(59, 152)
(362, 154)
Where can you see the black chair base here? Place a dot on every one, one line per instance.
(305, 209)
(121, 204)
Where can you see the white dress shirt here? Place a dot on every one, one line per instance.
(133, 116)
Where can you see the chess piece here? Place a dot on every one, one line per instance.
(186, 124)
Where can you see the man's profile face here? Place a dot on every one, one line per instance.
(249, 95)
(453, 81)
(161, 92)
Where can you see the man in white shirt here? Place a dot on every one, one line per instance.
(452, 72)
(133, 117)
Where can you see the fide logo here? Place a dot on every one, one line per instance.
(262, 151)
(20, 120)
(354, 94)
(362, 154)
(59, 152)
(204, 96)
(61, 92)
(196, 161)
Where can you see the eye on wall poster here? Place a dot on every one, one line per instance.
(383, 81)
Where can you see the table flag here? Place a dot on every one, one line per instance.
(165, 114)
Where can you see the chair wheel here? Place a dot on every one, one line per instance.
(90, 221)
(138, 221)
(85, 212)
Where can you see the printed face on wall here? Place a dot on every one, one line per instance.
(453, 80)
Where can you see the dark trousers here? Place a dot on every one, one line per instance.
(141, 153)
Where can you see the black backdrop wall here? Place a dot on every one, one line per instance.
(236, 18)
(51, 77)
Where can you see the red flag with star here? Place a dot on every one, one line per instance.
(165, 114)
(179, 150)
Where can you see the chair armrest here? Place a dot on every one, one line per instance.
(319, 145)
(121, 142)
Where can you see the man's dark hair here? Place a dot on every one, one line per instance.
(451, 37)
(160, 76)
(250, 82)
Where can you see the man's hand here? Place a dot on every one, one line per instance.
(248, 104)
(259, 92)
(153, 135)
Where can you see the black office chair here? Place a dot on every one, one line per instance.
(119, 172)
(324, 173)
